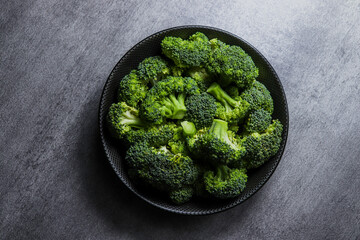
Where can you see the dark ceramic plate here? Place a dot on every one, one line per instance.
(150, 46)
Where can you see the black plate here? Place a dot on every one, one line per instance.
(150, 46)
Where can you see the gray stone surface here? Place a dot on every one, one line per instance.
(55, 57)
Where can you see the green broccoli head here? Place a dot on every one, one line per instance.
(187, 53)
(201, 110)
(160, 168)
(231, 64)
(258, 121)
(216, 145)
(260, 147)
(122, 118)
(153, 69)
(153, 135)
(167, 99)
(201, 76)
(132, 89)
(258, 97)
(226, 182)
(229, 109)
(182, 195)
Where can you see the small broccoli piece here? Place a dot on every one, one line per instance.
(261, 147)
(187, 53)
(160, 168)
(201, 76)
(226, 183)
(132, 89)
(182, 195)
(216, 145)
(153, 135)
(230, 110)
(258, 97)
(167, 99)
(258, 121)
(201, 110)
(178, 144)
(176, 71)
(122, 118)
(178, 147)
(231, 64)
(153, 69)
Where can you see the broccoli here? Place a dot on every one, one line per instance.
(122, 118)
(231, 64)
(258, 97)
(125, 124)
(176, 71)
(177, 143)
(192, 126)
(201, 76)
(132, 89)
(154, 135)
(216, 145)
(153, 69)
(187, 53)
(160, 168)
(260, 147)
(201, 110)
(182, 195)
(229, 109)
(258, 121)
(167, 99)
(226, 183)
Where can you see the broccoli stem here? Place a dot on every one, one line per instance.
(227, 101)
(131, 120)
(175, 106)
(188, 128)
(219, 128)
(222, 173)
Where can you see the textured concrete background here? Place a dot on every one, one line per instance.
(55, 57)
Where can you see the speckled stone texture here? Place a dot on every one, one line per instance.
(55, 182)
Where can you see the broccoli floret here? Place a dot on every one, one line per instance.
(122, 118)
(258, 97)
(187, 53)
(176, 71)
(153, 69)
(258, 121)
(260, 147)
(231, 64)
(230, 110)
(178, 144)
(182, 195)
(201, 76)
(167, 99)
(216, 145)
(201, 110)
(132, 89)
(153, 135)
(160, 168)
(226, 183)
(124, 123)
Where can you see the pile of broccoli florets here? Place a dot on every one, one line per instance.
(195, 119)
